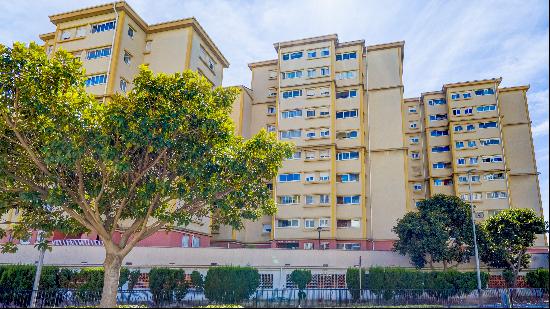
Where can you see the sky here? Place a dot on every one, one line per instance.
(445, 41)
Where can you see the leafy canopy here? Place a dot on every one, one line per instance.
(440, 231)
(74, 163)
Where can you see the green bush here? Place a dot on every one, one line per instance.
(301, 277)
(352, 281)
(197, 280)
(538, 279)
(167, 285)
(231, 284)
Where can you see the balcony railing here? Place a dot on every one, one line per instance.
(77, 242)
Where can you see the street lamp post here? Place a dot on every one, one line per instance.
(319, 229)
(474, 231)
(38, 273)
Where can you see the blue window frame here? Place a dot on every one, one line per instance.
(466, 95)
(346, 56)
(96, 80)
(471, 144)
(436, 133)
(325, 52)
(289, 177)
(470, 127)
(455, 96)
(110, 25)
(351, 155)
(461, 161)
(346, 114)
(487, 125)
(292, 94)
(437, 102)
(459, 145)
(98, 53)
(441, 149)
(312, 54)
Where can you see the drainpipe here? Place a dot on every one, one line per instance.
(111, 56)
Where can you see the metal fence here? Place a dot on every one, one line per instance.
(281, 298)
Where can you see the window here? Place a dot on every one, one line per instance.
(66, 34)
(291, 134)
(308, 246)
(312, 53)
(271, 92)
(497, 195)
(466, 95)
(80, 32)
(324, 91)
(415, 155)
(417, 187)
(351, 155)
(463, 179)
(438, 117)
(351, 177)
(346, 75)
(110, 25)
(310, 134)
(293, 223)
(310, 92)
(436, 133)
(292, 56)
(325, 71)
(455, 96)
(414, 140)
(472, 160)
(486, 108)
(496, 176)
(468, 111)
(310, 155)
(346, 114)
(348, 199)
(185, 241)
(195, 241)
(489, 141)
(437, 149)
(472, 144)
(324, 154)
(343, 224)
(292, 94)
(123, 84)
(292, 113)
(98, 53)
(441, 165)
(442, 182)
(309, 223)
(456, 111)
(297, 155)
(436, 102)
(310, 113)
(309, 199)
(324, 199)
(413, 125)
(271, 128)
(324, 176)
(131, 32)
(323, 112)
(458, 128)
(311, 73)
(271, 110)
(412, 110)
(482, 92)
(289, 177)
(127, 57)
(491, 159)
(148, 46)
(325, 132)
(288, 199)
(346, 94)
(352, 246)
(96, 80)
(346, 56)
(309, 177)
(461, 161)
(459, 145)
(475, 178)
(324, 222)
(346, 135)
(272, 74)
(266, 228)
(291, 74)
(325, 52)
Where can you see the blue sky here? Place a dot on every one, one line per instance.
(445, 41)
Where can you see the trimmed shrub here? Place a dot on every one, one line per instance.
(301, 277)
(231, 284)
(197, 280)
(352, 281)
(538, 279)
(167, 285)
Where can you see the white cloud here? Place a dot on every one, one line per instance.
(541, 129)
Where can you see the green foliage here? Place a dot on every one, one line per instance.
(352, 281)
(538, 279)
(167, 285)
(391, 281)
(231, 284)
(505, 238)
(508, 277)
(197, 280)
(133, 278)
(301, 277)
(440, 231)
(124, 276)
(72, 163)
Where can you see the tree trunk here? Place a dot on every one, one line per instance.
(111, 266)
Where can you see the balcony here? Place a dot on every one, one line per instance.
(77, 242)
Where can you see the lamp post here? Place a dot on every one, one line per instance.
(38, 273)
(319, 229)
(474, 231)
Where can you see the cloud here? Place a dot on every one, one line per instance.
(540, 129)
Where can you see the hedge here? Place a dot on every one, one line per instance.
(538, 279)
(390, 281)
(167, 285)
(230, 284)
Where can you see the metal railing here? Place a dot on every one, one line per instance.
(77, 242)
(281, 298)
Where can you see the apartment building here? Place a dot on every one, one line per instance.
(112, 41)
(365, 155)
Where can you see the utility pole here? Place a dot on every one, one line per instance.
(474, 232)
(360, 278)
(36, 284)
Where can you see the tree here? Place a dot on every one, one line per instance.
(301, 277)
(197, 280)
(440, 231)
(354, 283)
(163, 156)
(506, 236)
